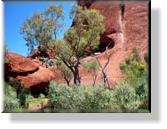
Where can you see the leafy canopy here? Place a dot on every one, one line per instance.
(42, 27)
(83, 35)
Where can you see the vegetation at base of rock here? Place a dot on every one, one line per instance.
(136, 78)
(122, 98)
(11, 101)
(78, 99)
(134, 69)
(17, 99)
(21, 92)
(128, 99)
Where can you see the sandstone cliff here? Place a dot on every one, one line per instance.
(126, 27)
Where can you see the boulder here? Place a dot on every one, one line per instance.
(29, 73)
(39, 78)
(19, 64)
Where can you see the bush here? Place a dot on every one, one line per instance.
(20, 91)
(28, 99)
(136, 78)
(133, 68)
(78, 99)
(11, 102)
(125, 96)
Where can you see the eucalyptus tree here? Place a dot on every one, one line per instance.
(83, 35)
(43, 27)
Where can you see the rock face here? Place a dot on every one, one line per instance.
(20, 64)
(126, 27)
(27, 72)
(136, 27)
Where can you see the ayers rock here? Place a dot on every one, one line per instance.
(126, 27)
(27, 72)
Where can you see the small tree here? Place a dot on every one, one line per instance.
(65, 71)
(92, 67)
(42, 27)
(103, 67)
(84, 35)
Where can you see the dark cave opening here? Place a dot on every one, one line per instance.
(105, 43)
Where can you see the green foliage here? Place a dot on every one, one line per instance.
(136, 78)
(84, 35)
(11, 101)
(133, 68)
(42, 27)
(28, 99)
(92, 66)
(65, 71)
(78, 99)
(131, 98)
(125, 96)
(20, 91)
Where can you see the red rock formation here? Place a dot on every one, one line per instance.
(27, 72)
(127, 28)
(40, 78)
(136, 27)
(20, 64)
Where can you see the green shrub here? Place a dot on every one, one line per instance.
(11, 102)
(20, 91)
(90, 98)
(136, 78)
(28, 98)
(78, 99)
(133, 68)
(125, 96)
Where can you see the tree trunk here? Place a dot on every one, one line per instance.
(105, 78)
(94, 80)
(67, 81)
(76, 76)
